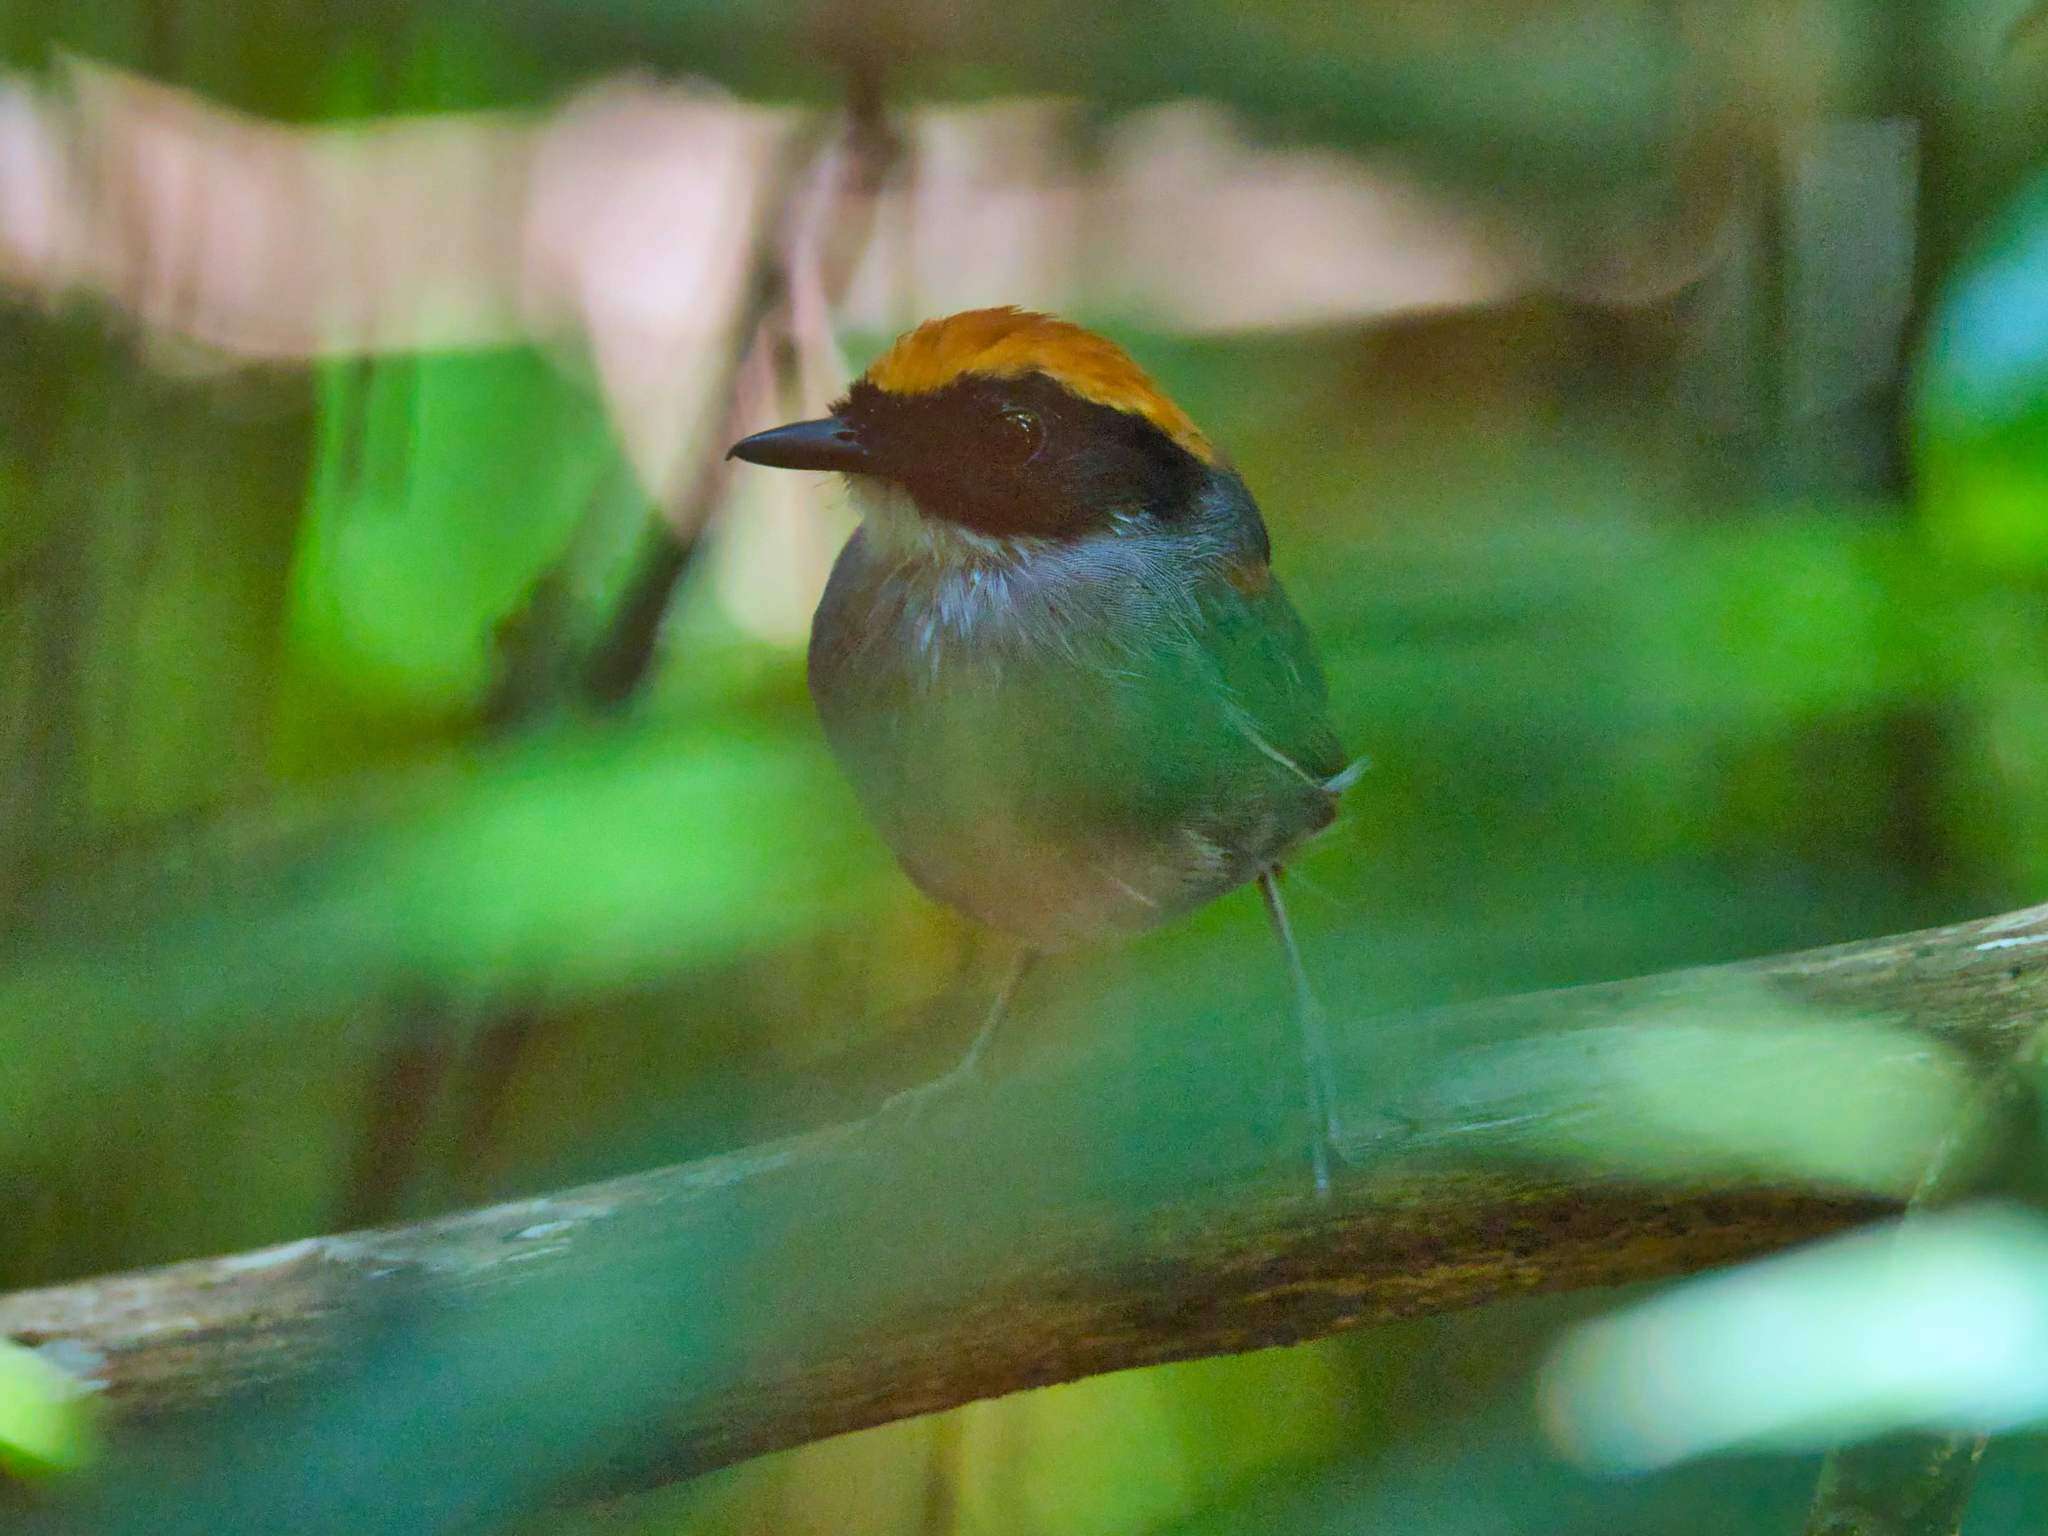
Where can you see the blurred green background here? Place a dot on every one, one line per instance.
(1678, 628)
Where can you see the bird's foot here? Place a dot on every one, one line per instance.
(920, 1098)
(967, 1070)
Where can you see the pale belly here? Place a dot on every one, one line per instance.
(1058, 792)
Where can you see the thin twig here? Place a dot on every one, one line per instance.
(823, 201)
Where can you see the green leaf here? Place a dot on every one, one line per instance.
(46, 1416)
(1981, 421)
(1938, 1324)
(445, 488)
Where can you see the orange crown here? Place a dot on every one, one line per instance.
(1008, 342)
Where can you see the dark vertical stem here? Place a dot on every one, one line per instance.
(53, 790)
(621, 661)
(1912, 47)
(402, 1097)
(1770, 377)
(624, 656)
(497, 1055)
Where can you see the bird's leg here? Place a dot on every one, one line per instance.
(998, 1010)
(1315, 1039)
(969, 1064)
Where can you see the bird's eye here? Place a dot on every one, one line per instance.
(1022, 434)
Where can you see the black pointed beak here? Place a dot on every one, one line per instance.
(828, 443)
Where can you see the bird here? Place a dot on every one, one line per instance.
(1053, 659)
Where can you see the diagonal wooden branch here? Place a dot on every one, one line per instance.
(909, 1262)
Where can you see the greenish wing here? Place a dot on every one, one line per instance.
(1266, 660)
(1219, 714)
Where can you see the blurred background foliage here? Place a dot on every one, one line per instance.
(1679, 626)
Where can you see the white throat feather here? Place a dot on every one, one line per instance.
(898, 530)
